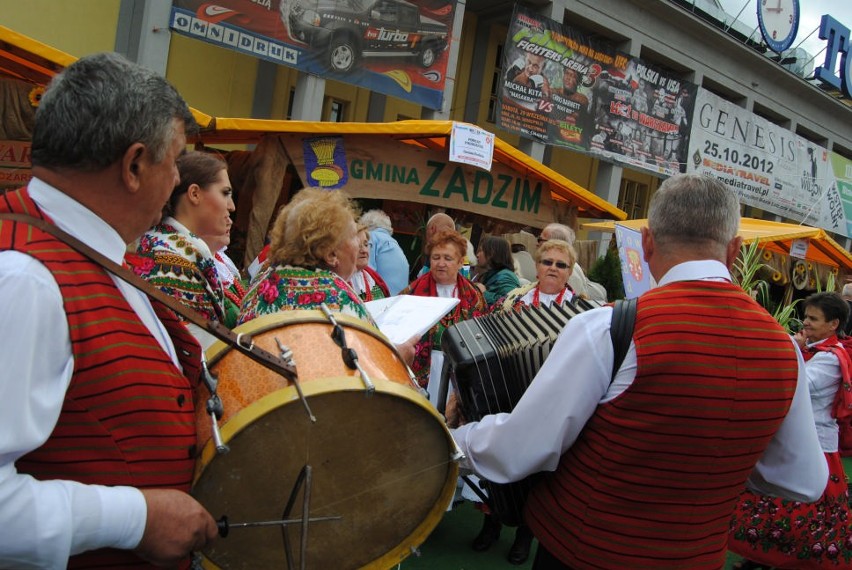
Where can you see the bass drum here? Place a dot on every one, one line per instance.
(382, 461)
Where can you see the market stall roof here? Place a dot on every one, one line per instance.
(434, 135)
(773, 236)
(29, 60)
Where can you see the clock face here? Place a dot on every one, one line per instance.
(779, 22)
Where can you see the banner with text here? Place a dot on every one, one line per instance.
(15, 163)
(396, 47)
(378, 167)
(770, 167)
(564, 89)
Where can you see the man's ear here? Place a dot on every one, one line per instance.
(732, 251)
(647, 243)
(131, 165)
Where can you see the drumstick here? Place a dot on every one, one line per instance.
(225, 526)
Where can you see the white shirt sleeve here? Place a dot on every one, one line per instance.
(793, 466)
(52, 519)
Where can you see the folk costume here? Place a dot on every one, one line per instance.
(180, 264)
(470, 304)
(530, 295)
(232, 287)
(790, 534)
(369, 285)
(592, 432)
(287, 288)
(77, 381)
(388, 260)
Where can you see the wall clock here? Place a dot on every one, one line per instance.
(778, 21)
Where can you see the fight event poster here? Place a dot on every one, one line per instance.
(395, 47)
(562, 88)
(770, 167)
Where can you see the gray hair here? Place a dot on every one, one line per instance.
(100, 105)
(560, 231)
(847, 290)
(373, 219)
(694, 209)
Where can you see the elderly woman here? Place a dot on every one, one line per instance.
(366, 282)
(173, 256)
(553, 260)
(312, 252)
(446, 252)
(495, 276)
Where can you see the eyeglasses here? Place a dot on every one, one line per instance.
(558, 264)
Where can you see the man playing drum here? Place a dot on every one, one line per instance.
(97, 433)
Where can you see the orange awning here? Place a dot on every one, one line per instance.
(773, 236)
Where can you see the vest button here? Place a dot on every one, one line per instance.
(180, 400)
(192, 452)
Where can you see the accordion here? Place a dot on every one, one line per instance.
(491, 361)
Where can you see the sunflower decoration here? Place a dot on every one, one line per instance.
(35, 95)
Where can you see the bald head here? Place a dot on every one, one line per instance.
(437, 223)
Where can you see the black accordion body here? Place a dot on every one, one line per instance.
(491, 361)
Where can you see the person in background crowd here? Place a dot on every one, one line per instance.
(711, 393)
(446, 252)
(847, 296)
(554, 261)
(495, 275)
(578, 281)
(98, 424)
(229, 275)
(386, 256)
(441, 222)
(173, 257)
(368, 284)
(774, 532)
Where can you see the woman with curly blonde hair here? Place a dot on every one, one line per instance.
(312, 254)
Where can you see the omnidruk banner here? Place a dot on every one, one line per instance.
(396, 47)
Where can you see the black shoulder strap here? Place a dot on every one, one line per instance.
(621, 330)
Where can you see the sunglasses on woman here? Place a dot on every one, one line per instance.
(558, 264)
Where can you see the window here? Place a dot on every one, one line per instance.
(633, 199)
(335, 110)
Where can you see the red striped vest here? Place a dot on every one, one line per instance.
(654, 476)
(129, 416)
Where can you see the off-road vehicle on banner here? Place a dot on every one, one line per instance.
(346, 31)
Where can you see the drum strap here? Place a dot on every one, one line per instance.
(621, 330)
(240, 342)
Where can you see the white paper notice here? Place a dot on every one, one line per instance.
(799, 248)
(405, 316)
(471, 145)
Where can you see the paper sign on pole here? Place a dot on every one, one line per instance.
(471, 145)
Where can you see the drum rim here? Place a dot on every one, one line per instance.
(249, 414)
(300, 316)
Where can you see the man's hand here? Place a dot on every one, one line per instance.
(177, 525)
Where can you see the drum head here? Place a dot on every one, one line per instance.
(381, 461)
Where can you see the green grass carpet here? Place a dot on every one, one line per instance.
(448, 547)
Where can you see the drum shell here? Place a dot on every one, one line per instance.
(380, 460)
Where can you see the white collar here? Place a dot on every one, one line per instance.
(705, 269)
(76, 219)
